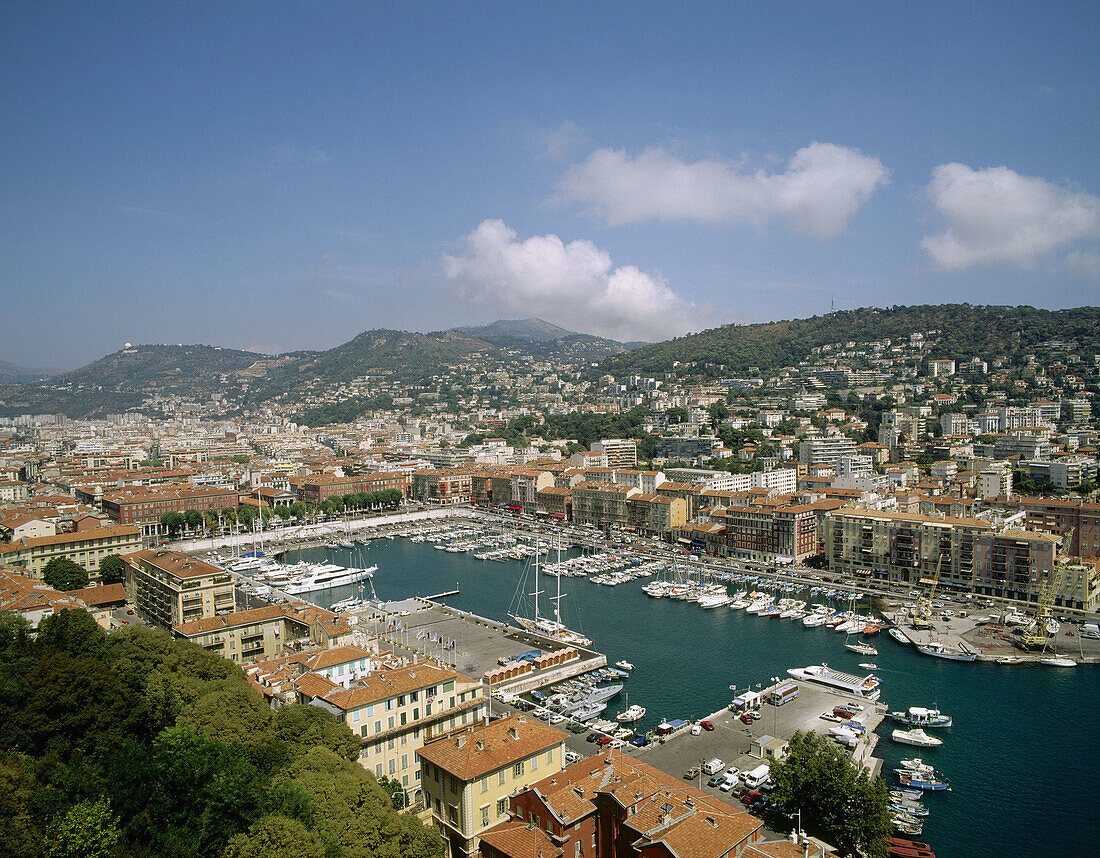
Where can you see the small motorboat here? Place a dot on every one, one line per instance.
(861, 648)
(1058, 661)
(1010, 659)
(928, 782)
(917, 737)
(899, 636)
(633, 713)
(624, 665)
(868, 665)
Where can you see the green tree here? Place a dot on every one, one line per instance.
(234, 715)
(112, 568)
(838, 800)
(676, 415)
(275, 836)
(193, 519)
(61, 573)
(717, 412)
(396, 792)
(88, 830)
(173, 523)
(356, 814)
(298, 727)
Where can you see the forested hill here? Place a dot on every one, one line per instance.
(963, 331)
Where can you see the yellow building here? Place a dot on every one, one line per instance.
(169, 588)
(467, 778)
(86, 548)
(256, 633)
(395, 711)
(656, 514)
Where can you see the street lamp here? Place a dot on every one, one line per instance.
(775, 708)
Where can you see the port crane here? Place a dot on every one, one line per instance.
(922, 613)
(1038, 635)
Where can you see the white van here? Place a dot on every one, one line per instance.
(713, 767)
(756, 777)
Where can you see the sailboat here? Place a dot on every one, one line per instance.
(554, 629)
(861, 647)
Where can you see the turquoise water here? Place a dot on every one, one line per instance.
(1021, 757)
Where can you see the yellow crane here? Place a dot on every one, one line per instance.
(1037, 635)
(922, 613)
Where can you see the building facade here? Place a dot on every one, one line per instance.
(169, 588)
(467, 778)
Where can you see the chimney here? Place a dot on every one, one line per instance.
(461, 741)
(480, 745)
(513, 731)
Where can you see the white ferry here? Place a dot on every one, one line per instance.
(821, 674)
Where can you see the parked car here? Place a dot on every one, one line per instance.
(692, 773)
(717, 779)
(706, 725)
(604, 741)
(746, 717)
(729, 781)
(750, 797)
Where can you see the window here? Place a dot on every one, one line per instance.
(502, 806)
(389, 723)
(577, 851)
(391, 744)
(377, 726)
(550, 757)
(393, 766)
(517, 770)
(404, 780)
(389, 705)
(500, 777)
(416, 713)
(485, 816)
(449, 685)
(452, 813)
(404, 761)
(535, 763)
(378, 770)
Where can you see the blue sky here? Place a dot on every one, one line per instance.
(283, 176)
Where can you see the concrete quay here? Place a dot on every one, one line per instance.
(465, 642)
(732, 741)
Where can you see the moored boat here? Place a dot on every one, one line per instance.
(919, 716)
(916, 737)
(633, 713)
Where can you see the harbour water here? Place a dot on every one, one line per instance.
(1021, 756)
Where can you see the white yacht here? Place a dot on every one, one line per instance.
(633, 713)
(917, 737)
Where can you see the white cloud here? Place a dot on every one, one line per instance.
(574, 285)
(822, 186)
(563, 140)
(997, 215)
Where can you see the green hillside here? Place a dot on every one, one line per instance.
(964, 331)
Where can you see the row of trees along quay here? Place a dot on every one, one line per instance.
(194, 521)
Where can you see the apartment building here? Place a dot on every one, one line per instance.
(468, 778)
(526, 483)
(442, 487)
(770, 532)
(602, 504)
(826, 451)
(613, 806)
(317, 489)
(144, 506)
(85, 548)
(255, 633)
(971, 555)
(655, 514)
(621, 452)
(396, 711)
(169, 588)
(1077, 519)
